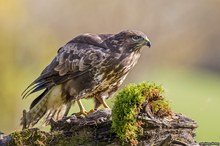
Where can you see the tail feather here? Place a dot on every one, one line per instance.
(56, 114)
(34, 87)
(37, 100)
(49, 104)
(35, 113)
(40, 110)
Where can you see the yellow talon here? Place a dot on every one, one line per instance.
(85, 113)
(91, 111)
(82, 109)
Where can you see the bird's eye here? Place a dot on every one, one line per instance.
(136, 38)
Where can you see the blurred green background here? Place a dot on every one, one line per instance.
(185, 53)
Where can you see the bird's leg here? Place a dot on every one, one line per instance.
(82, 109)
(68, 106)
(102, 101)
(97, 103)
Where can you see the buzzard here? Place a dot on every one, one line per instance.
(88, 66)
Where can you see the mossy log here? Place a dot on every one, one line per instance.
(140, 116)
(96, 130)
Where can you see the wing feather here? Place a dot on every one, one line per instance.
(72, 61)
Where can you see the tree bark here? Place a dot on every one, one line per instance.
(96, 130)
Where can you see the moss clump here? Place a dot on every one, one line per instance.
(28, 137)
(129, 102)
(160, 108)
(35, 137)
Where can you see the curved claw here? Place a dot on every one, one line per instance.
(83, 112)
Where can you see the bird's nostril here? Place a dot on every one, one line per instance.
(149, 44)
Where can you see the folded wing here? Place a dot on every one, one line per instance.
(72, 60)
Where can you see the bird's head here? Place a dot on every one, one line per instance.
(131, 40)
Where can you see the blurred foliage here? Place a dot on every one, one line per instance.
(184, 56)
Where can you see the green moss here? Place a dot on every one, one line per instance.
(35, 137)
(16, 139)
(160, 108)
(129, 102)
(28, 137)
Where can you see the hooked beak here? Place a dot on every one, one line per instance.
(147, 42)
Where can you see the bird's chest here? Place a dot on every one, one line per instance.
(110, 76)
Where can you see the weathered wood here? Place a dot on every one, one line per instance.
(96, 130)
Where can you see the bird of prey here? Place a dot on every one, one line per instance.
(88, 66)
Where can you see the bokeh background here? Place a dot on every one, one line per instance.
(184, 58)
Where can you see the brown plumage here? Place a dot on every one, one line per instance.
(89, 66)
